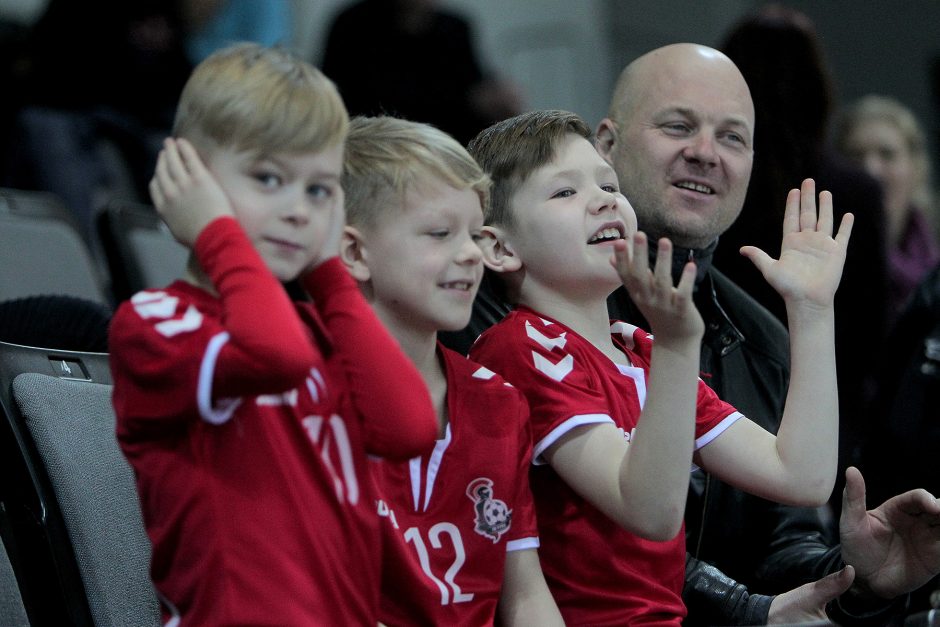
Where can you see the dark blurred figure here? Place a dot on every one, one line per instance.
(779, 54)
(883, 136)
(412, 59)
(901, 452)
(96, 75)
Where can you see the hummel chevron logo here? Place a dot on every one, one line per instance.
(483, 373)
(555, 371)
(154, 304)
(190, 321)
(547, 343)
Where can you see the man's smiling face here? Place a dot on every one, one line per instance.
(683, 149)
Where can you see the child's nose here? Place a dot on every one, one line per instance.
(297, 212)
(602, 201)
(470, 253)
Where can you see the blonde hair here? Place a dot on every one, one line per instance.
(511, 150)
(249, 97)
(875, 108)
(386, 156)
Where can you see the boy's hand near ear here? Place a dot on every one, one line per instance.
(185, 193)
(334, 237)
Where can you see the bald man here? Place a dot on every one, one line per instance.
(679, 134)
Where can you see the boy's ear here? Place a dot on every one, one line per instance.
(353, 253)
(605, 138)
(498, 254)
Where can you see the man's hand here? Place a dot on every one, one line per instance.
(895, 548)
(185, 193)
(669, 309)
(811, 260)
(807, 604)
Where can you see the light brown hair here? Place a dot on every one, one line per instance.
(511, 150)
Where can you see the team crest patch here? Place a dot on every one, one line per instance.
(493, 518)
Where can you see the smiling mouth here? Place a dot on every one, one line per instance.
(607, 234)
(695, 187)
(464, 286)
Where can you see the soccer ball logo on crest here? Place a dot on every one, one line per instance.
(493, 518)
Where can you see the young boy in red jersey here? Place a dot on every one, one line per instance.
(460, 533)
(247, 417)
(617, 418)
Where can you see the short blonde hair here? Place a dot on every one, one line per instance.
(876, 108)
(511, 150)
(250, 97)
(386, 156)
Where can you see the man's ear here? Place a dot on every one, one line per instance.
(605, 138)
(353, 253)
(498, 254)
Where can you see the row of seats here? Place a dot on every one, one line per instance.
(74, 550)
(42, 250)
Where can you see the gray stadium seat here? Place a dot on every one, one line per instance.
(140, 250)
(73, 514)
(42, 250)
(12, 612)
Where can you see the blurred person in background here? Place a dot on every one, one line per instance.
(415, 60)
(883, 136)
(780, 55)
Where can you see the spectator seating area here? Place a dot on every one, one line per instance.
(74, 550)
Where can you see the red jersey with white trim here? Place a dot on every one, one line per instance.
(599, 573)
(248, 444)
(451, 514)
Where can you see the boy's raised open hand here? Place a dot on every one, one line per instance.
(668, 308)
(811, 259)
(185, 193)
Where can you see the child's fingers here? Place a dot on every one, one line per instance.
(621, 257)
(663, 270)
(162, 182)
(791, 214)
(808, 205)
(824, 224)
(686, 282)
(845, 230)
(156, 194)
(639, 260)
(761, 260)
(190, 158)
(175, 169)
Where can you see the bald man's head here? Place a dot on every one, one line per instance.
(680, 135)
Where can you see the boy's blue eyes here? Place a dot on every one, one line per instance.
(269, 180)
(320, 192)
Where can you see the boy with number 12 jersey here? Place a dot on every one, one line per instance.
(460, 534)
